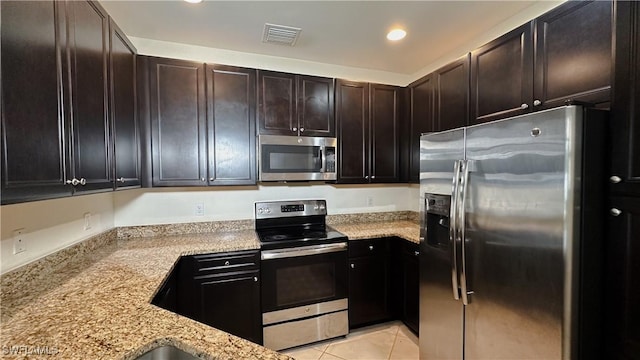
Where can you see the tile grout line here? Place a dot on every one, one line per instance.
(395, 339)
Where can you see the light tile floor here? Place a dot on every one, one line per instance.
(388, 341)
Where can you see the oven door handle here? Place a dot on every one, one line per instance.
(303, 251)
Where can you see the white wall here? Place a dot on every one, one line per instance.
(52, 225)
(177, 205)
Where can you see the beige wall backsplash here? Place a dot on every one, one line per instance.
(52, 225)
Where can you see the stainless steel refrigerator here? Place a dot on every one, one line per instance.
(511, 237)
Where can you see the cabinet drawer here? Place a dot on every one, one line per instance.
(224, 262)
(368, 247)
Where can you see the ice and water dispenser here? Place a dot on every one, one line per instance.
(437, 209)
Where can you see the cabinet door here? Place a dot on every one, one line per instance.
(315, 106)
(88, 60)
(32, 110)
(622, 271)
(384, 133)
(232, 304)
(352, 118)
(573, 54)
(178, 122)
(625, 123)
(368, 290)
(124, 122)
(231, 125)
(452, 95)
(421, 120)
(277, 103)
(411, 296)
(502, 77)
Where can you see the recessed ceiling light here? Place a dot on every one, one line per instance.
(396, 34)
(193, 1)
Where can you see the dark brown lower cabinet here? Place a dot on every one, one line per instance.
(221, 290)
(410, 279)
(622, 271)
(369, 298)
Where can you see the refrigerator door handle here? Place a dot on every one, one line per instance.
(466, 165)
(453, 219)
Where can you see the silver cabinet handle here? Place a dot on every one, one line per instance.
(416, 253)
(226, 263)
(524, 106)
(255, 279)
(615, 179)
(301, 129)
(615, 212)
(353, 266)
(370, 247)
(120, 180)
(295, 129)
(73, 182)
(537, 102)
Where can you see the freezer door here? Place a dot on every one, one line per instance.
(518, 210)
(441, 316)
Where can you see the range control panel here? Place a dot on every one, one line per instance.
(276, 209)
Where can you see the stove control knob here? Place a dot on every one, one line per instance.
(316, 207)
(267, 210)
(321, 207)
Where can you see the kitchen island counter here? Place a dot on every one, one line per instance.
(98, 305)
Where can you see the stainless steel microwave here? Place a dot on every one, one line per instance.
(293, 158)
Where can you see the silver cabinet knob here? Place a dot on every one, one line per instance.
(615, 212)
(373, 176)
(614, 179)
(83, 181)
(211, 178)
(524, 106)
(295, 129)
(416, 253)
(366, 176)
(255, 279)
(301, 129)
(537, 102)
(371, 247)
(353, 266)
(203, 179)
(120, 180)
(226, 263)
(73, 182)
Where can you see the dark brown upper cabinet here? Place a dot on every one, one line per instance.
(177, 107)
(297, 105)
(573, 55)
(55, 115)
(452, 95)
(231, 119)
(568, 59)
(368, 124)
(421, 113)
(124, 120)
(502, 76)
(198, 137)
(624, 176)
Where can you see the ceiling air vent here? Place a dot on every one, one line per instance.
(280, 34)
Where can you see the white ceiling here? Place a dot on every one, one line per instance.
(345, 33)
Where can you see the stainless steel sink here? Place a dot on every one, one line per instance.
(166, 352)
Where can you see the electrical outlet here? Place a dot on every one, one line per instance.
(199, 209)
(369, 201)
(87, 221)
(19, 244)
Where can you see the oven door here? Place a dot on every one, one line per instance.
(305, 275)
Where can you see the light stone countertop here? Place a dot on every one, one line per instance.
(99, 307)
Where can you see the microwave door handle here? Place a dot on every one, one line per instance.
(323, 162)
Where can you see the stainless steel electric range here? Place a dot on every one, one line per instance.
(304, 274)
